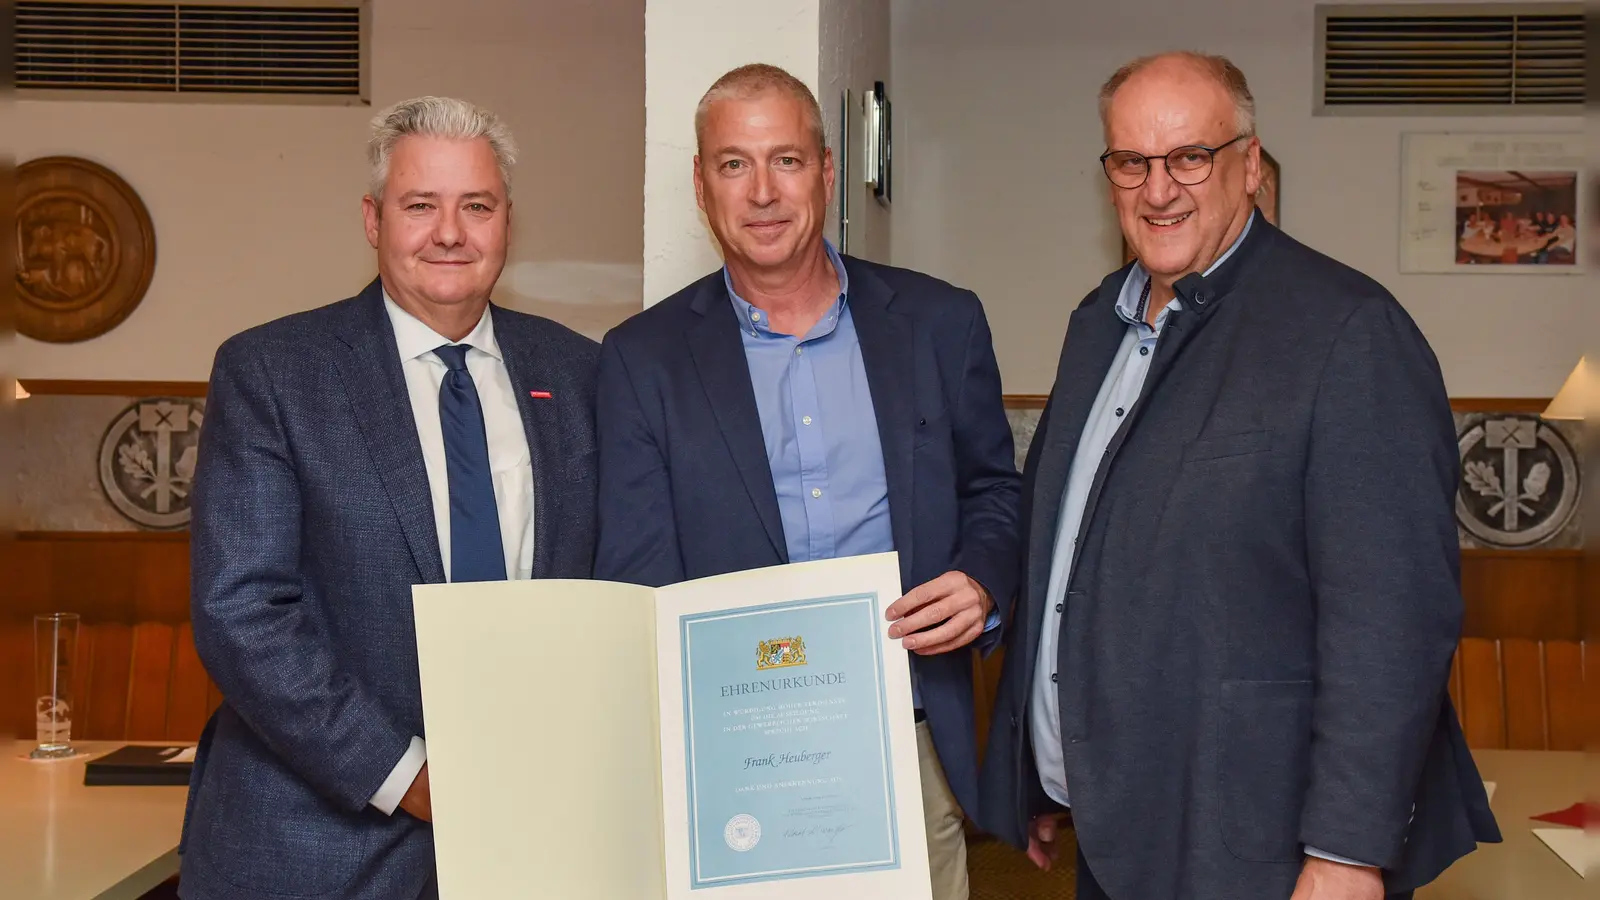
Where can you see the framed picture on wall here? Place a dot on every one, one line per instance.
(1266, 197)
(877, 157)
(1492, 203)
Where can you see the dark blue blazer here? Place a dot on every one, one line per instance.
(312, 521)
(1255, 642)
(686, 490)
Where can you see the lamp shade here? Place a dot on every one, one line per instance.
(1576, 397)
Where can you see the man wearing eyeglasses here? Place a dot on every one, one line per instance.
(1229, 657)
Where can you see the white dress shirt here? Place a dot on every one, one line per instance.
(509, 461)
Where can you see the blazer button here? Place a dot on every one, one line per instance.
(921, 422)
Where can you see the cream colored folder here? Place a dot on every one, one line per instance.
(555, 723)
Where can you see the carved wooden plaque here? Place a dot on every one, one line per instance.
(85, 249)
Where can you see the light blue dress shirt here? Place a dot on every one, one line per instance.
(1118, 392)
(821, 433)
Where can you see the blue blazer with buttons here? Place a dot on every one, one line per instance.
(312, 520)
(686, 490)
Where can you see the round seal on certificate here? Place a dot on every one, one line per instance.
(742, 832)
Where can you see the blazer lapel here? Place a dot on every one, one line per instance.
(888, 353)
(533, 368)
(718, 354)
(376, 387)
(1093, 335)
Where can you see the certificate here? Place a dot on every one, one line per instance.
(788, 767)
(743, 736)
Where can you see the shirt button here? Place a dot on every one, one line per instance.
(1060, 606)
(1144, 351)
(799, 350)
(806, 420)
(755, 316)
(1052, 677)
(1119, 411)
(816, 492)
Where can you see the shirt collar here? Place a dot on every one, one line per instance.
(753, 321)
(1128, 302)
(415, 339)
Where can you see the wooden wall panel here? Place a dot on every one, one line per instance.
(108, 662)
(189, 689)
(1518, 679)
(1522, 664)
(150, 681)
(139, 677)
(1522, 594)
(1482, 694)
(1564, 664)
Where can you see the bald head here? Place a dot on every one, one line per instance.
(1177, 68)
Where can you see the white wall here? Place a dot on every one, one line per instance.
(998, 187)
(257, 207)
(828, 44)
(688, 45)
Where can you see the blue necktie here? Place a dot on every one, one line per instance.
(476, 552)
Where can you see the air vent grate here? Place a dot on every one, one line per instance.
(183, 48)
(1490, 57)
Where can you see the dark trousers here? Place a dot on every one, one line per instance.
(1089, 889)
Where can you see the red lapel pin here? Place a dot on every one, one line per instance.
(539, 395)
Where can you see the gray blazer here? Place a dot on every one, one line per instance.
(312, 520)
(1259, 627)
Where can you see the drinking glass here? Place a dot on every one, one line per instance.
(55, 657)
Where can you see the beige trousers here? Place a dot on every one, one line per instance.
(947, 840)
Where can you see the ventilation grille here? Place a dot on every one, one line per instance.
(1493, 57)
(182, 48)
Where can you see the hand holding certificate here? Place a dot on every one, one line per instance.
(745, 734)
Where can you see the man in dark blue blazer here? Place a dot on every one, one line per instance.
(802, 405)
(412, 434)
(1233, 638)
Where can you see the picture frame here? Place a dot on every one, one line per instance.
(877, 154)
(1268, 197)
(1493, 203)
(843, 158)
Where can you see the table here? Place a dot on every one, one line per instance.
(1490, 248)
(1527, 783)
(60, 840)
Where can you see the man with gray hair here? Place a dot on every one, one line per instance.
(415, 433)
(1230, 650)
(801, 404)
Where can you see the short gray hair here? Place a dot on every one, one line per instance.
(1219, 68)
(751, 80)
(441, 117)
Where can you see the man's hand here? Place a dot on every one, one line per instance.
(417, 800)
(1042, 834)
(954, 599)
(1324, 879)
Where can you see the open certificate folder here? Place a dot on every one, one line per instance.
(743, 736)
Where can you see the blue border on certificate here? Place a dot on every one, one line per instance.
(885, 740)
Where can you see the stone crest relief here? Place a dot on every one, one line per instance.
(147, 460)
(85, 249)
(1519, 480)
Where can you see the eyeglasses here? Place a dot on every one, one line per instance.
(1187, 165)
